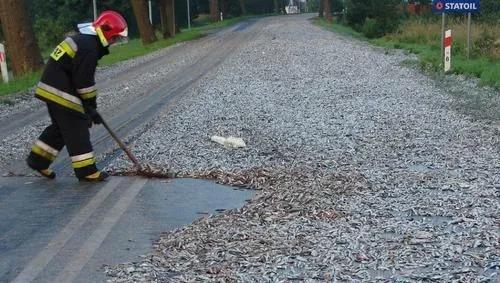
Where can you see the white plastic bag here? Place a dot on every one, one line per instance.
(229, 141)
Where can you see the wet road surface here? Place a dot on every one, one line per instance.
(65, 231)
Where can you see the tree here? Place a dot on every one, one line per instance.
(52, 20)
(261, 6)
(312, 6)
(21, 43)
(242, 7)
(373, 17)
(214, 10)
(276, 7)
(171, 21)
(490, 11)
(167, 17)
(327, 10)
(321, 8)
(224, 7)
(141, 13)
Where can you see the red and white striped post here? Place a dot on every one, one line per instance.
(447, 50)
(3, 64)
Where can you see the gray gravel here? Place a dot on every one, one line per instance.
(366, 170)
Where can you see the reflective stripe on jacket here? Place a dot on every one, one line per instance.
(68, 78)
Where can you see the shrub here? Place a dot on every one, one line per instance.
(49, 32)
(371, 28)
(485, 44)
(313, 5)
(383, 16)
(490, 11)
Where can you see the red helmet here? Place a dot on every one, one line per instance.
(110, 26)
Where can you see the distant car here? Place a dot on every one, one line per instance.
(292, 9)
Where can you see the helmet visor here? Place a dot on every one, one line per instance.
(124, 33)
(118, 40)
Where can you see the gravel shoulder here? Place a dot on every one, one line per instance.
(365, 169)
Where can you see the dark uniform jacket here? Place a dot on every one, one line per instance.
(68, 79)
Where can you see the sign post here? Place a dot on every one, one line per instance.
(443, 26)
(3, 64)
(447, 50)
(469, 20)
(150, 10)
(94, 6)
(456, 7)
(189, 14)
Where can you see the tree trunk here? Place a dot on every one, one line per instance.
(214, 10)
(223, 7)
(141, 14)
(321, 8)
(170, 11)
(167, 16)
(162, 6)
(243, 10)
(276, 7)
(328, 10)
(20, 39)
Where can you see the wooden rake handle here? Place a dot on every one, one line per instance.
(121, 144)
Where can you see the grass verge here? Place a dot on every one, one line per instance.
(20, 84)
(339, 28)
(134, 48)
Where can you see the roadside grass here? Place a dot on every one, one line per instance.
(201, 20)
(134, 48)
(20, 84)
(339, 28)
(422, 37)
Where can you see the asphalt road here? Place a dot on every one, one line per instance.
(65, 231)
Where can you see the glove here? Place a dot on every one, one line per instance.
(89, 122)
(94, 115)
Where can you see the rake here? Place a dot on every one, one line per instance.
(146, 170)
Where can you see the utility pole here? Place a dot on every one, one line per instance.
(150, 12)
(94, 4)
(189, 15)
(443, 25)
(3, 64)
(469, 20)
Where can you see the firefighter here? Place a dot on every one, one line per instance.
(68, 88)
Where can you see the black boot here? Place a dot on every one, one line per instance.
(96, 177)
(47, 173)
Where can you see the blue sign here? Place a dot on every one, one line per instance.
(455, 6)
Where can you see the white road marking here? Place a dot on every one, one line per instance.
(95, 240)
(36, 265)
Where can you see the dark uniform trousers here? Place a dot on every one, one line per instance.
(70, 129)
